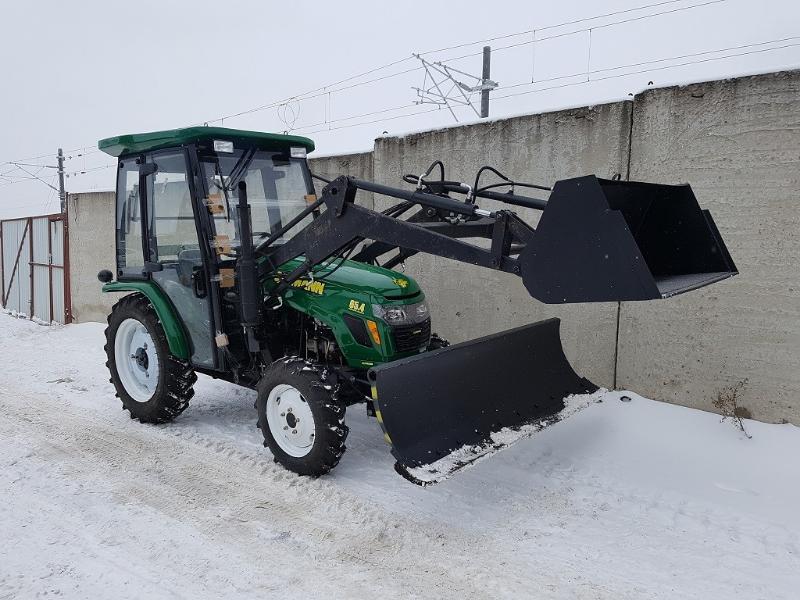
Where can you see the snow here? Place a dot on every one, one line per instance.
(634, 499)
(471, 454)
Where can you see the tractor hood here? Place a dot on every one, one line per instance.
(357, 278)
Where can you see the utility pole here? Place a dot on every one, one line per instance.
(62, 194)
(487, 63)
(439, 74)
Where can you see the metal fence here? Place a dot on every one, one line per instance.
(34, 265)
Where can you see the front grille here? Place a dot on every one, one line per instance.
(412, 337)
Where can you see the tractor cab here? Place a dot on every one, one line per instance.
(177, 215)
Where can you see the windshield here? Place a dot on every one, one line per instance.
(278, 189)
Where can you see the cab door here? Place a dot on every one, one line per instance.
(174, 255)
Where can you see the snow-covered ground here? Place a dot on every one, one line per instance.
(625, 500)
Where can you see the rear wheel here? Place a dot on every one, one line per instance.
(301, 417)
(153, 385)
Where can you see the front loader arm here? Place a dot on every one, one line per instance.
(344, 223)
(480, 228)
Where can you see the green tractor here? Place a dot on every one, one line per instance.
(234, 267)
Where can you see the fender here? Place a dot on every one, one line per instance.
(173, 327)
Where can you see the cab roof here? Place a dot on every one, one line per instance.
(157, 140)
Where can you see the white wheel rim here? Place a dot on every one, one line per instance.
(136, 359)
(290, 420)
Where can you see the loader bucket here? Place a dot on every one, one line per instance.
(445, 409)
(601, 240)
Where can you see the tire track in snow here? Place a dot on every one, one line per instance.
(173, 476)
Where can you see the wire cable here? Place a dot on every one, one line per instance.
(352, 80)
(553, 26)
(618, 75)
(326, 89)
(585, 29)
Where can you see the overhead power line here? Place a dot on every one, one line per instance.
(52, 155)
(345, 122)
(553, 26)
(626, 74)
(306, 128)
(332, 87)
(537, 39)
(378, 73)
(91, 170)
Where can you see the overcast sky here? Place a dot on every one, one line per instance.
(75, 72)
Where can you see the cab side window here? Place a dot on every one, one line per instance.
(172, 233)
(130, 254)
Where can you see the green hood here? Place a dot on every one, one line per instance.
(361, 279)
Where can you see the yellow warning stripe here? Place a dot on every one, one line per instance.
(374, 391)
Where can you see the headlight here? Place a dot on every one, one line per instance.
(407, 314)
(421, 311)
(391, 314)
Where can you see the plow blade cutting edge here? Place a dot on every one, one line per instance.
(446, 409)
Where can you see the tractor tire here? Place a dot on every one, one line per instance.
(301, 416)
(153, 385)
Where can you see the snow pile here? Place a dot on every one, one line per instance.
(623, 500)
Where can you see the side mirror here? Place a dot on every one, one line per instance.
(105, 276)
(147, 168)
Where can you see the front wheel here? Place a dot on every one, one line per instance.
(300, 416)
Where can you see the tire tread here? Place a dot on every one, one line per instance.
(175, 389)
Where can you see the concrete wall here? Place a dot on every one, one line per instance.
(738, 143)
(355, 165)
(467, 301)
(91, 248)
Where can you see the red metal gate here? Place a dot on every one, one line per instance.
(34, 264)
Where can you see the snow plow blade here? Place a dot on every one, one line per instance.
(443, 410)
(600, 240)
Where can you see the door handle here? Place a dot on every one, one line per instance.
(199, 282)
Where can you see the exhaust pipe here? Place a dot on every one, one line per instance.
(248, 280)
